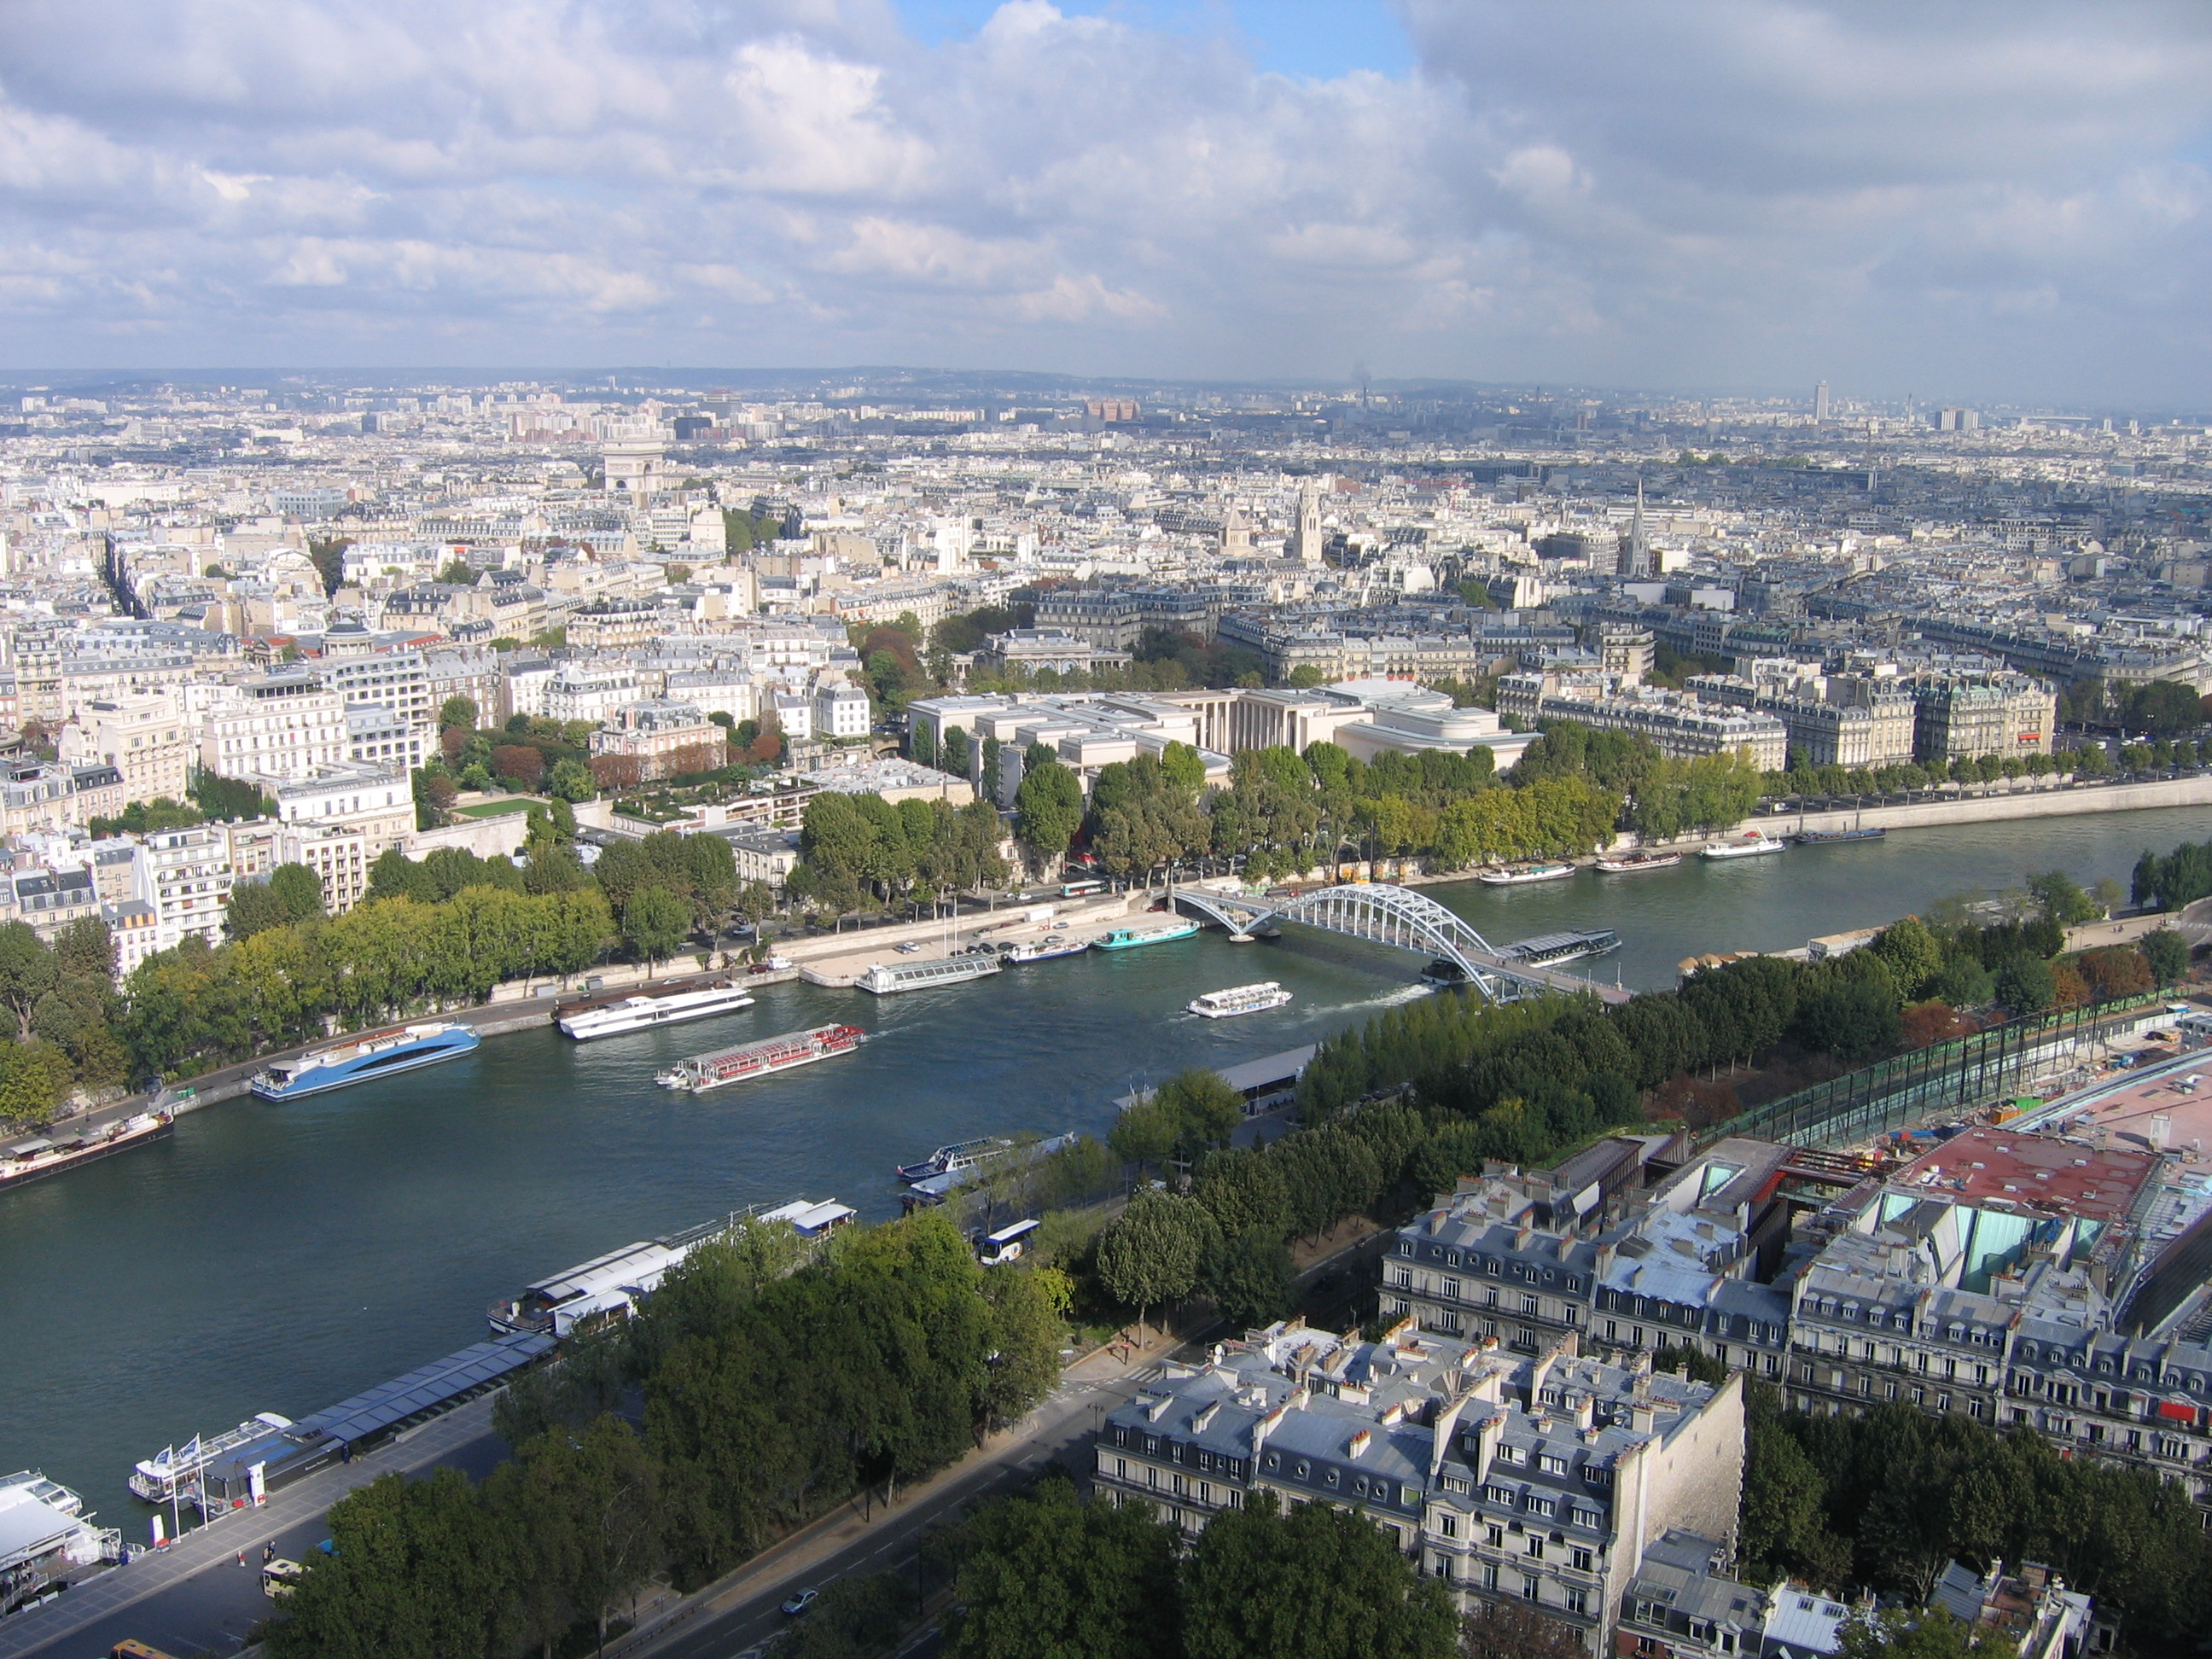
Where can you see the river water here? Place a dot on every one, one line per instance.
(281, 1258)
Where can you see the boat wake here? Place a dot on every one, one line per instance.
(1397, 999)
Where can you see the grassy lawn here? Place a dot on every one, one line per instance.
(494, 809)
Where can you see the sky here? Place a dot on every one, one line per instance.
(1968, 201)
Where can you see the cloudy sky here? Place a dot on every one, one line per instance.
(1960, 200)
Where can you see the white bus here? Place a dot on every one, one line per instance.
(992, 1249)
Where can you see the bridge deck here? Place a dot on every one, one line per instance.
(1384, 914)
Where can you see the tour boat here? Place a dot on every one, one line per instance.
(763, 1059)
(1547, 949)
(1045, 949)
(604, 1018)
(1128, 939)
(960, 1155)
(1829, 837)
(1520, 875)
(888, 978)
(356, 1060)
(1239, 1000)
(1627, 864)
(1744, 847)
(170, 1472)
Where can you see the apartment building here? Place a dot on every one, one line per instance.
(146, 739)
(842, 712)
(1967, 716)
(1682, 727)
(1830, 722)
(661, 737)
(396, 681)
(1541, 1478)
(376, 802)
(286, 725)
(1984, 1279)
(581, 692)
(185, 875)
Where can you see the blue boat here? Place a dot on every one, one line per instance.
(358, 1058)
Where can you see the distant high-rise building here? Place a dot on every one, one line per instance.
(1820, 403)
(1958, 420)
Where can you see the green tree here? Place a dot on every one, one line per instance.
(1149, 1254)
(230, 798)
(1895, 1633)
(1245, 1191)
(1205, 1109)
(28, 970)
(1050, 1576)
(2060, 898)
(34, 1076)
(1910, 953)
(420, 1570)
(458, 711)
(571, 781)
(1251, 1278)
(655, 924)
(590, 1509)
(1850, 1021)
(1321, 1581)
(2024, 984)
(1047, 809)
(292, 895)
(2167, 953)
(859, 1616)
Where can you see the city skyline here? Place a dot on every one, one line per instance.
(1982, 206)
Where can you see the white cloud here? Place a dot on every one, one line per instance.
(1976, 198)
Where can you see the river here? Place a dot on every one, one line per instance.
(272, 1258)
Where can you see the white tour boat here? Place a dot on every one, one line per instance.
(1239, 1000)
(1744, 847)
(602, 1018)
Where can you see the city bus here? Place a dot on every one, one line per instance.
(1082, 889)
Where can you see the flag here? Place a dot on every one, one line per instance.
(168, 1456)
(191, 1455)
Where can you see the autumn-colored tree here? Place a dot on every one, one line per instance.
(1925, 1024)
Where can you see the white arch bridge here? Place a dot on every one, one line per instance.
(1383, 914)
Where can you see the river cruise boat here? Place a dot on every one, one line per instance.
(1744, 847)
(39, 1156)
(765, 1058)
(1521, 875)
(173, 1471)
(1629, 864)
(358, 1058)
(1239, 1000)
(1045, 949)
(1829, 837)
(1128, 939)
(604, 1017)
(949, 1160)
(889, 978)
(1546, 949)
(607, 1287)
